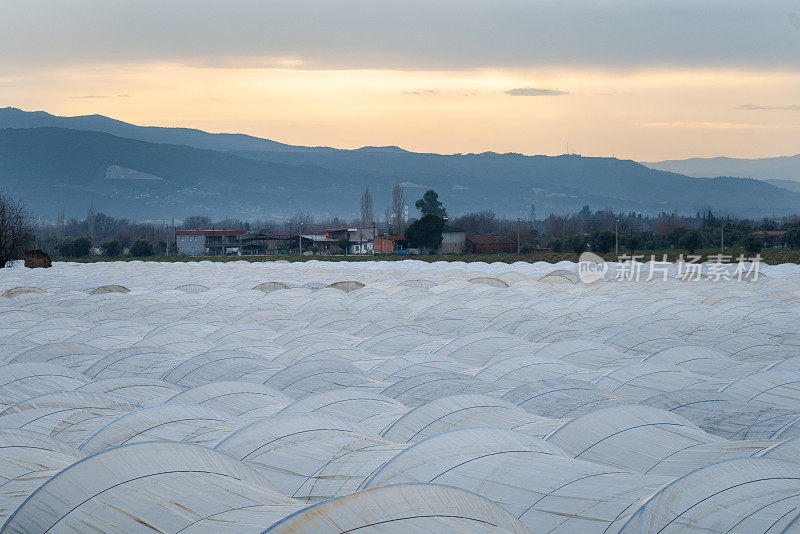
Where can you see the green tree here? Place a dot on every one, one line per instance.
(81, 246)
(602, 241)
(792, 237)
(75, 248)
(674, 237)
(111, 248)
(142, 248)
(425, 232)
(691, 241)
(161, 247)
(576, 243)
(344, 244)
(752, 243)
(65, 248)
(429, 205)
(632, 241)
(556, 245)
(656, 241)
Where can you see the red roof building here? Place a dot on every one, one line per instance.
(772, 238)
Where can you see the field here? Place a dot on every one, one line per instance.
(396, 396)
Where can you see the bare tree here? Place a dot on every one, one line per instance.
(15, 229)
(396, 209)
(197, 222)
(367, 213)
(533, 214)
(560, 227)
(124, 237)
(90, 221)
(300, 222)
(60, 225)
(482, 222)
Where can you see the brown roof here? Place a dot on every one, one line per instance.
(490, 240)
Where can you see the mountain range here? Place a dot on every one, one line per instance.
(785, 168)
(65, 163)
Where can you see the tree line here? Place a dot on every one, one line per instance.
(601, 230)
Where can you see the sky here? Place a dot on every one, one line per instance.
(646, 80)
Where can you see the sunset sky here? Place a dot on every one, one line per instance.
(646, 80)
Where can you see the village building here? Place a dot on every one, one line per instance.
(211, 242)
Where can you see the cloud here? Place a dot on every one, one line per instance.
(412, 184)
(423, 92)
(244, 62)
(364, 34)
(753, 107)
(535, 91)
(705, 125)
(92, 97)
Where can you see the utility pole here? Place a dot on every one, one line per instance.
(616, 238)
(300, 237)
(722, 239)
(518, 221)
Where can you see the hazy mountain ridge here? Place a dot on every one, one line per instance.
(791, 185)
(17, 118)
(54, 168)
(778, 168)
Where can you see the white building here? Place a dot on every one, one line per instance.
(213, 242)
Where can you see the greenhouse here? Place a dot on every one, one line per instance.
(396, 397)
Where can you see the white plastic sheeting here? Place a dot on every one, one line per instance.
(438, 397)
(746, 495)
(457, 411)
(311, 457)
(158, 486)
(402, 509)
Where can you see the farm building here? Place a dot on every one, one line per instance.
(480, 244)
(212, 242)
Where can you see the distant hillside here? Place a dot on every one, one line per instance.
(791, 185)
(780, 168)
(55, 168)
(17, 118)
(561, 183)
